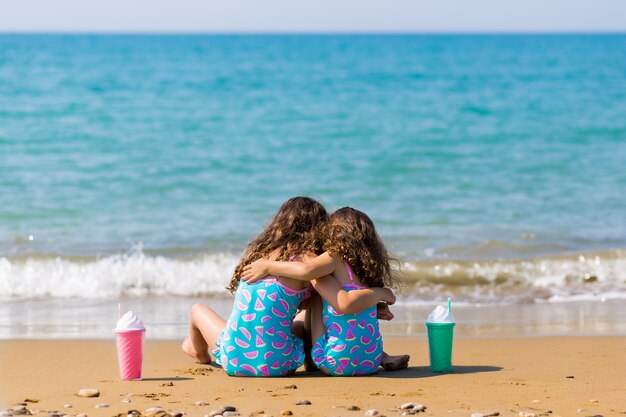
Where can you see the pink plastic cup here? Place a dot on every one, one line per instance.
(130, 353)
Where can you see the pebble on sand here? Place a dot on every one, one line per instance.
(214, 413)
(286, 413)
(200, 403)
(228, 408)
(81, 415)
(68, 406)
(20, 410)
(102, 405)
(126, 400)
(152, 411)
(371, 412)
(291, 386)
(353, 408)
(303, 402)
(89, 392)
(230, 414)
(415, 407)
(477, 415)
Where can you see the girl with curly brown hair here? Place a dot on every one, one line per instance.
(257, 339)
(345, 343)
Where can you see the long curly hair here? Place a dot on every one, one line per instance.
(295, 229)
(351, 235)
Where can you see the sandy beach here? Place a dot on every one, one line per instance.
(555, 376)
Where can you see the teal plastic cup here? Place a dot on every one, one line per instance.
(440, 337)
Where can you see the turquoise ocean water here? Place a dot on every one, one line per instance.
(493, 166)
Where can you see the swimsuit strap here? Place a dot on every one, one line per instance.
(349, 271)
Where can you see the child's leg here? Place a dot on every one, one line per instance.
(301, 327)
(396, 362)
(317, 325)
(204, 329)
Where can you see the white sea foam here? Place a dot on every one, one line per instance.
(551, 279)
(133, 274)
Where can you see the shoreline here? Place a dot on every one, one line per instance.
(167, 318)
(504, 375)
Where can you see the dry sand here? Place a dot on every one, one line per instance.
(559, 376)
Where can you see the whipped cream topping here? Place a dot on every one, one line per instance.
(130, 321)
(440, 315)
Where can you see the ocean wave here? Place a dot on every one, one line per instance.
(588, 276)
(134, 274)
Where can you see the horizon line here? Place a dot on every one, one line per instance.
(312, 33)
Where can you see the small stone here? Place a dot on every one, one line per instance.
(68, 405)
(371, 412)
(213, 413)
(228, 408)
(593, 401)
(286, 413)
(477, 415)
(179, 414)
(406, 406)
(291, 386)
(102, 405)
(230, 414)
(536, 401)
(152, 411)
(303, 402)
(19, 409)
(570, 376)
(200, 403)
(354, 408)
(81, 415)
(126, 400)
(89, 392)
(580, 410)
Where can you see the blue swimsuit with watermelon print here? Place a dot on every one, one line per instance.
(352, 344)
(257, 339)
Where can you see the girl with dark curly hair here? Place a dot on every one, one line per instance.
(257, 339)
(345, 344)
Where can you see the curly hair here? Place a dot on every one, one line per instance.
(351, 235)
(295, 229)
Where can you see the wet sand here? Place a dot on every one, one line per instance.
(552, 376)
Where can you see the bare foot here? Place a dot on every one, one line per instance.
(309, 365)
(188, 348)
(394, 363)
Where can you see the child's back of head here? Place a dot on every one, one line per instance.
(294, 230)
(350, 234)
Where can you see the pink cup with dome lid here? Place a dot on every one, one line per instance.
(129, 336)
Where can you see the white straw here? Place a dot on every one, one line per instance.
(119, 309)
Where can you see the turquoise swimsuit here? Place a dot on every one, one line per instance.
(352, 344)
(257, 339)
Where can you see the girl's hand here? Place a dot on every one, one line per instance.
(386, 295)
(383, 311)
(255, 271)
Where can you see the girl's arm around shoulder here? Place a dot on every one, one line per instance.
(351, 302)
(304, 271)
